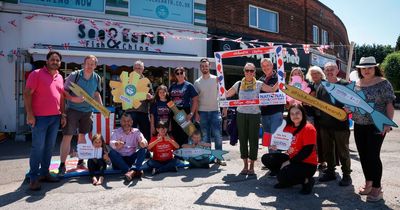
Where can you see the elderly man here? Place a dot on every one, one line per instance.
(79, 112)
(128, 148)
(44, 104)
(334, 133)
(140, 115)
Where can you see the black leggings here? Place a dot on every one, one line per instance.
(292, 174)
(96, 165)
(369, 142)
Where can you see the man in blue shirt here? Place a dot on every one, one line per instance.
(79, 112)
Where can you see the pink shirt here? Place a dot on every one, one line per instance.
(131, 140)
(47, 90)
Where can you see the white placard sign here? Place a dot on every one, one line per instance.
(87, 151)
(282, 140)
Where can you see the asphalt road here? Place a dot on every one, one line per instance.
(215, 188)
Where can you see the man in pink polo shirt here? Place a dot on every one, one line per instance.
(44, 104)
(128, 148)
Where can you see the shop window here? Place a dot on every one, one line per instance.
(263, 19)
(315, 33)
(324, 35)
(117, 3)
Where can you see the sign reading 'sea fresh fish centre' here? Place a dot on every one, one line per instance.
(89, 5)
(170, 10)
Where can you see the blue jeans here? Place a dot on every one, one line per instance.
(164, 166)
(210, 124)
(271, 122)
(125, 163)
(44, 136)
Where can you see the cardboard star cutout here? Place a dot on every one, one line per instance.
(131, 90)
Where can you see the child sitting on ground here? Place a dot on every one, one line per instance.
(201, 161)
(99, 163)
(162, 147)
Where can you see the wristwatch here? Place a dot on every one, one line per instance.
(191, 113)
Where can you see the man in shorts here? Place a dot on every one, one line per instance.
(79, 112)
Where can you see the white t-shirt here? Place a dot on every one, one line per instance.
(208, 93)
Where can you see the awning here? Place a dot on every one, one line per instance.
(122, 59)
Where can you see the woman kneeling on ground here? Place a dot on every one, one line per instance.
(299, 163)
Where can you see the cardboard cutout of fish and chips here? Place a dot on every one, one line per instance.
(131, 90)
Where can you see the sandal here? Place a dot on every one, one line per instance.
(366, 189)
(244, 172)
(251, 173)
(129, 175)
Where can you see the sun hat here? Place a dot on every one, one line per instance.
(366, 62)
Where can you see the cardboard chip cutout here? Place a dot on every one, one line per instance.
(130, 91)
(78, 91)
(355, 100)
(302, 96)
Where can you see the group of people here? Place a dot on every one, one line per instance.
(318, 138)
(50, 103)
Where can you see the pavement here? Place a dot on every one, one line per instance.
(220, 187)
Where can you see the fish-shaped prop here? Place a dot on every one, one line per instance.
(302, 96)
(131, 90)
(356, 100)
(187, 153)
(78, 91)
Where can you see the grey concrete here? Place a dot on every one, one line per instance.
(219, 187)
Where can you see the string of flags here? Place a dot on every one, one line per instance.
(294, 47)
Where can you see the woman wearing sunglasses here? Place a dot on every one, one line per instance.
(248, 117)
(185, 97)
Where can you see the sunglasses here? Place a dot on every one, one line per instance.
(179, 73)
(249, 70)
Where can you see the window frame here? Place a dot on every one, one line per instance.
(324, 37)
(313, 34)
(257, 22)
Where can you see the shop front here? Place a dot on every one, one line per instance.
(117, 45)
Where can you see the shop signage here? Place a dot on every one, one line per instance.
(88, 5)
(116, 38)
(287, 57)
(170, 10)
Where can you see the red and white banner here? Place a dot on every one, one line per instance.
(103, 125)
(278, 50)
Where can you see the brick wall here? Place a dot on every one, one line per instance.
(296, 18)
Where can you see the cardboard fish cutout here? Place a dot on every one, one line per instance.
(131, 90)
(187, 153)
(356, 100)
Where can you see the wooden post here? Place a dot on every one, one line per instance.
(349, 61)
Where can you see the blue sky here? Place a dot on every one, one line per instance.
(369, 21)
